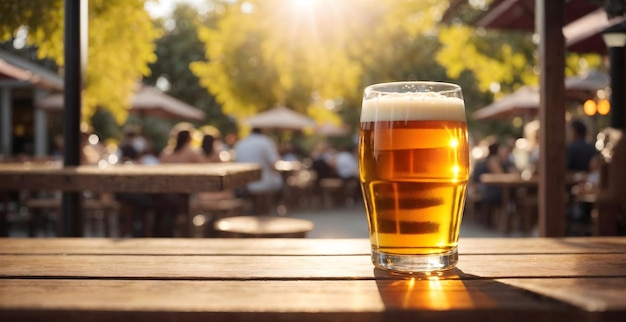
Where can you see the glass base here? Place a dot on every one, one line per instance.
(416, 263)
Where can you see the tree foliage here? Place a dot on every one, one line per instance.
(264, 53)
(507, 59)
(120, 45)
(175, 50)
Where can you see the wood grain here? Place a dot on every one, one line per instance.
(271, 300)
(591, 294)
(550, 19)
(565, 279)
(300, 267)
(156, 246)
(164, 178)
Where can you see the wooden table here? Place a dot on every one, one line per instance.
(509, 182)
(162, 178)
(570, 279)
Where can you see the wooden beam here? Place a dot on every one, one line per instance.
(72, 221)
(550, 19)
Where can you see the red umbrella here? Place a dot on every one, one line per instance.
(583, 35)
(520, 14)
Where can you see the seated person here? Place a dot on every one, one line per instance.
(497, 161)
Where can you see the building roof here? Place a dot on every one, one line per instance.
(20, 69)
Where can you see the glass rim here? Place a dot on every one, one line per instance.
(452, 88)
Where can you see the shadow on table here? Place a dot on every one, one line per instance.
(465, 298)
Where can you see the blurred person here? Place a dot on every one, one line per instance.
(531, 132)
(149, 156)
(127, 152)
(182, 152)
(172, 206)
(346, 164)
(208, 148)
(211, 149)
(581, 158)
(288, 152)
(323, 157)
(211, 146)
(579, 153)
(497, 161)
(260, 149)
(347, 168)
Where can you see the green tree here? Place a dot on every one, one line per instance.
(306, 53)
(507, 59)
(121, 36)
(175, 50)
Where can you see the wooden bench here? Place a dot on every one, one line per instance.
(263, 227)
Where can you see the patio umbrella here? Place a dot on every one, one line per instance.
(330, 129)
(520, 14)
(584, 21)
(147, 101)
(280, 117)
(585, 86)
(523, 101)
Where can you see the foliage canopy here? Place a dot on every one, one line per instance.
(120, 46)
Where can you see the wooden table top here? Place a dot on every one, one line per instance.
(569, 279)
(163, 178)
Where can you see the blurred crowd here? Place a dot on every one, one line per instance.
(521, 156)
(284, 168)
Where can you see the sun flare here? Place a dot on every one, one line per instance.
(303, 4)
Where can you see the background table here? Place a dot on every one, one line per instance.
(511, 206)
(574, 279)
(162, 178)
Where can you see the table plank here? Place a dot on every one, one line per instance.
(163, 178)
(428, 300)
(360, 246)
(591, 294)
(580, 279)
(300, 267)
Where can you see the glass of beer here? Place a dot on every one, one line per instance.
(414, 167)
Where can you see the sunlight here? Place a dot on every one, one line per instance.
(303, 5)
(313, 22)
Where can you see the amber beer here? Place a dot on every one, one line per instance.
(414, 158)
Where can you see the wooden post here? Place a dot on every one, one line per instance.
(550, 18)
(71, 203)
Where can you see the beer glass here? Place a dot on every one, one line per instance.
(413, 168)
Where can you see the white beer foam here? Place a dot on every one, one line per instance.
(413, 107)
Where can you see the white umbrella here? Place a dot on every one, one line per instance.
(280, 118)
(526, 99)
(523, 101)
(330, 129)
(147, 101)
(585, 86)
